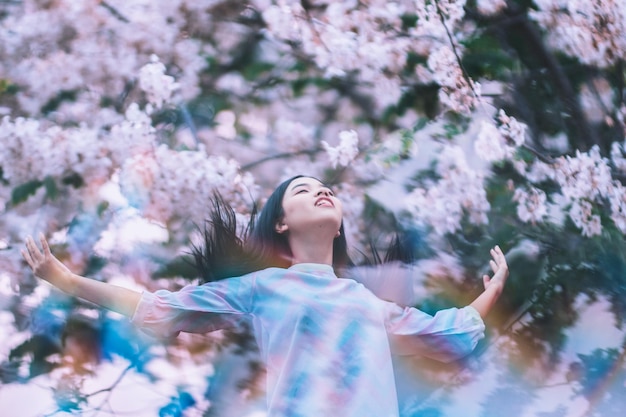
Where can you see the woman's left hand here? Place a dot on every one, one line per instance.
(499, 267)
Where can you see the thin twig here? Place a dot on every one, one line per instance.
(114, 384)
(114, 12)
(454, 50)
(537, 154)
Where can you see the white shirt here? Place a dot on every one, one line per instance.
(326, 342)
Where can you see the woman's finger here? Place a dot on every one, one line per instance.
(33, 250)
(44, 244)
(29, 245)
(501, 257)
(27, 258)
(486, 280)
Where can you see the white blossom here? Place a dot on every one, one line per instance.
(531, 205)
(617, 156)
(593, 32)
(490, 144)
(169, 185)
(135, 134)
(617, 201)
(586, 175)
(490, 7)
(346, 151)
(293, 135)
(459, 191)
(499, 143)
(32, 151)
(153, 81)
(582, 215)
(511, 129)
(456, 93)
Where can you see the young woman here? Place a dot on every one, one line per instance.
(327, 342)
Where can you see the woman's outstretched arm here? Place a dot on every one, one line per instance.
(494, 285)
(49, 268)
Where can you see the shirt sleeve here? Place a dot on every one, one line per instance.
(448, 335)
(195, 308)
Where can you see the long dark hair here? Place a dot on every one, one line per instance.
(225, 254)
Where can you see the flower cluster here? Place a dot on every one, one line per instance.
(617, 156)
(58, 152)
(172, 186)
(617, 203)
(583, 179)
(346, 151)
(581, 213)
(532, 204)
(94, 52)
(457, 93)
(459, 191)
(592, 31)
(431, 33)
(355, 39)
(133, 135)
(499, 143)
(587, 175)
(153, 81)
(347, 38)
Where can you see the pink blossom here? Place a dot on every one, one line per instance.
(346, 151)
(153, 81)
(531, 205)
(459, 191)
(582, 215)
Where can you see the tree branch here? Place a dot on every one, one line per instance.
(454, 50)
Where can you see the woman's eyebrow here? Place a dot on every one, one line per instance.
(300, 185)
(304, 184)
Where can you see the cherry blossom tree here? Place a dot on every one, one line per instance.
(461, 123)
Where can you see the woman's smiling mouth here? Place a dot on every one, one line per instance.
(324, 201)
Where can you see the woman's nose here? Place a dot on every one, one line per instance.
(324, 191)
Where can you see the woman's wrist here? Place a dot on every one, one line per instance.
(65, 280)
(495, 287)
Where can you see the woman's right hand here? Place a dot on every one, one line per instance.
(44, 265)
(49, 268)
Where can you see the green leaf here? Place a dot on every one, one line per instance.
(75, 180)
(22, 192)
(52, 191)
(95, 265)
(421, 123)
(409, 20)
(8, 87)
(102, 207)
(485, 57)
(255, 70)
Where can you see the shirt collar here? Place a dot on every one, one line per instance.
(322, 270)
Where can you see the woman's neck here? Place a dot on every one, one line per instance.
(311, 252)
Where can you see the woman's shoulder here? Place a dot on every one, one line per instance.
(391, 281)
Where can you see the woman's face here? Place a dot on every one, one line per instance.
(309, 205)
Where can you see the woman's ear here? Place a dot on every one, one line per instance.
(281, 227)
